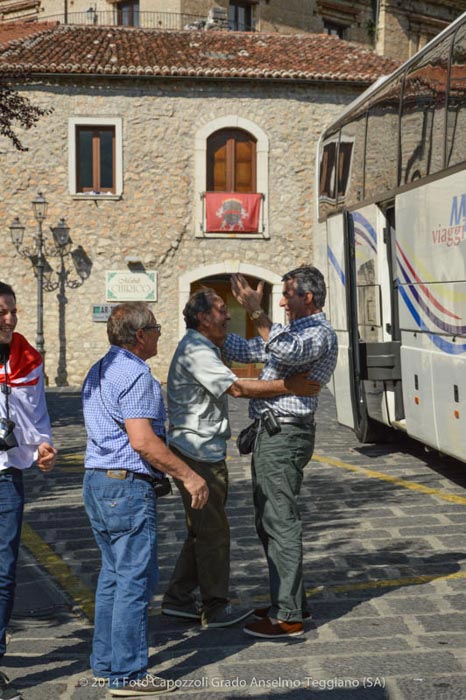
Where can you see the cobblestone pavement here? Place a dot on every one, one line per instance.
(385, 570)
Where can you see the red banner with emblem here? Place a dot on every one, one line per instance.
(232, 211)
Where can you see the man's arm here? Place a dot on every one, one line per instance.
(145, 442)
(297, 384)
(238, 349)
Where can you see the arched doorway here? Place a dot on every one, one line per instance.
(240, 322)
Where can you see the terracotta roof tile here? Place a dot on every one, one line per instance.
(11, 31)
(130, 51)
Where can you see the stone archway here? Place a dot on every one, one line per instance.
(217, 277)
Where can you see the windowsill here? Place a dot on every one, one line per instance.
(96, 197)
(233, 234)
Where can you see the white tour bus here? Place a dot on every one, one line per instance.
(392, 239)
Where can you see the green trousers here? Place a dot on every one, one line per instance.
(204, 560)
(277, 472)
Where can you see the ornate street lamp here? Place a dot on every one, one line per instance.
(36, 255)
(45, 273)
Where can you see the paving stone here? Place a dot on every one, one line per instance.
(414, 664)
(455, 622)
(370, 627)
(411, 606)
(451, 640)
(450, 687)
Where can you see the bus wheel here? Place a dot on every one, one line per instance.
(369, 430)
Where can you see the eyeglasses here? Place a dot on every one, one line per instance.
(155, 327)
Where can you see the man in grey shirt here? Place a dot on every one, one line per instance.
(198, 384)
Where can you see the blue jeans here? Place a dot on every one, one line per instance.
(123, 517)
(11, 518)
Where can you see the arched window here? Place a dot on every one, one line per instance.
(231, 161)
(231, 155)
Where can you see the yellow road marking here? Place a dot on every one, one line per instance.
(386, 583)
(411, 485)
(380, 583)
(60, 571)
(71, 463)
(73, 457)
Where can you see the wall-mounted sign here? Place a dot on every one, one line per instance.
(101, 312)
(124, 285)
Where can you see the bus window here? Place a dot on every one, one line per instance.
(423, 115)
(345, 153)
(351, 161)
(382, 141)
(456, 115)
(327, 175)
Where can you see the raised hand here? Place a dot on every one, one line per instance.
(245, 295)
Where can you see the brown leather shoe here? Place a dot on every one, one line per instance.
(266, 629)
(260, 613)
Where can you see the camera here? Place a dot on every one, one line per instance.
(7, 436)
(270, 422)
(162, 486)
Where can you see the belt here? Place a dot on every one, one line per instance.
(300, 421)
(123, 473)
(296, 420)
(10, 470)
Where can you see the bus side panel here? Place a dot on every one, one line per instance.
(436, 414)
(431, 269)
(337, 311)
(449, 381)
(418, 397)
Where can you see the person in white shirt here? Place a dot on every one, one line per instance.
(25, 438)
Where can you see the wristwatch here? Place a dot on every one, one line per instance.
(254, 315)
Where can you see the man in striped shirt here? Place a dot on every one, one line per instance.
(285, 433)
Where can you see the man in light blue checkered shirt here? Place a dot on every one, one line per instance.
(286, 432)
(124, 417)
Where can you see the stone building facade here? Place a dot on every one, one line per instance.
(161, 118)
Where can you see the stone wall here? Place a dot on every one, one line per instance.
(154, 218)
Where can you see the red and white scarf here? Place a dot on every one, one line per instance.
(24, 364)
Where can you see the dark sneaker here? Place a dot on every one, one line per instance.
(188, 612)
(7, 690)
(266, 629)
(149, 685)
(226, 616)
(261, 613)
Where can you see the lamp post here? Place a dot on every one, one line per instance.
(41, 248)
(36, 256)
